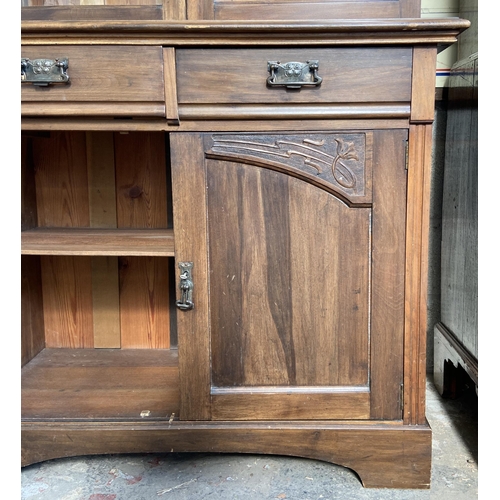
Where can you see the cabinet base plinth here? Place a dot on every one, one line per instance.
(384, 455)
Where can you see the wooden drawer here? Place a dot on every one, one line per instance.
(104, 81)
(351, 75)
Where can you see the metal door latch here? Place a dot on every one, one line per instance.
(186, 285)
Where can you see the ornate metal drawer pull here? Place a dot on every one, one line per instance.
(293, 75)
(43, 72)
(186, 286)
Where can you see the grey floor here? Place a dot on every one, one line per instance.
(193, 476)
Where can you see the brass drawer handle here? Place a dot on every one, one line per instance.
(293, 75)
(43, 72)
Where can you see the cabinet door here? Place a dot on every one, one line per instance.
(297, 245)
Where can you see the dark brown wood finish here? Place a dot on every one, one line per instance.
(345, 32)
(350, 75)
(100, 384)
(92, 81)
(91, 12)
(189, 204)
(308, 239)
(301, 9)
(403, 453)
(32, 326)
(388, 278)
(273, 321)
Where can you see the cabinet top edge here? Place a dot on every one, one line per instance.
(404, 30)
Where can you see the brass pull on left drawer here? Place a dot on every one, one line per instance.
(293, 75)
(43, 72)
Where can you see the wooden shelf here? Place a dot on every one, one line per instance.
(86, 241)
(101, 383)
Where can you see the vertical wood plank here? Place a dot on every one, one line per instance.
(169, 68)
(174, 10)
(190, 205)
(388, 242)
(417, 229)
(105, 302)
(67, 301)
(28, 192)
(144, 303)
(141, 188)
(61, 180)
(32, 327)
(200, 9)
(423, 84)
(101, 179)
(102, 213)
(141, 185)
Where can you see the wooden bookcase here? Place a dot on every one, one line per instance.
(304, 214)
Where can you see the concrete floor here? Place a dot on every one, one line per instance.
(193, 476)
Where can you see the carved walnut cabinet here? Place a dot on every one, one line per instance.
(225, 239)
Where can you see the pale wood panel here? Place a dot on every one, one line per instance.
(101, 179)
(102, 212)
(105, 302)
(388, 278)
(117, 242)
(90, 383)
(350, 75)
(188, 181)
(172, 110)
(274, 318)
(144, 303)
(67, 301)
(32, 327)
(61, 180)
(141, 184)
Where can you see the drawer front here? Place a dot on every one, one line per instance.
(100, 78)
(349, 75)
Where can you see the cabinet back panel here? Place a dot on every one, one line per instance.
(141, 180)
(32, 328)
(61, 180)
(67, 301)
(144, 302)
(99, 179)
(269, 279)
(84, 308)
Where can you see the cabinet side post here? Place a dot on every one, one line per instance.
(417, 231)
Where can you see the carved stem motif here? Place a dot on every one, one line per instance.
(336, 159)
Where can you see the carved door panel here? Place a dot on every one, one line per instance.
(301, 291)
